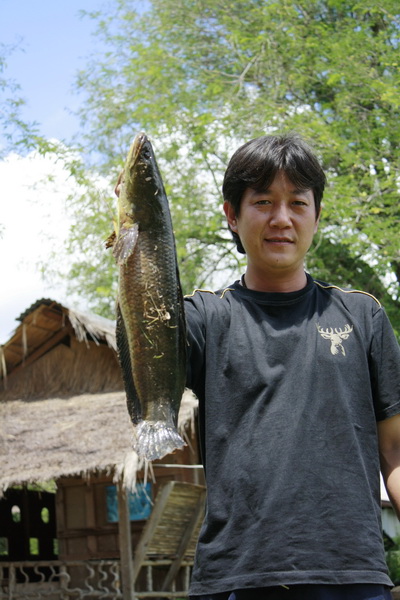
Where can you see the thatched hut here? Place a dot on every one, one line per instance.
(63, 418)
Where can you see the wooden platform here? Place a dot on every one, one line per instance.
(172, 529)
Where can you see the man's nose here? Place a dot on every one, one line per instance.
(280, 216)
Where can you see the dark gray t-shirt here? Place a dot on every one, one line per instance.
(290, 387)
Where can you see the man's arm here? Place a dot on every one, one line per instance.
(389, 451)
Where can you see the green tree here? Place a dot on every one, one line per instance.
(15, 133)
(202, 76)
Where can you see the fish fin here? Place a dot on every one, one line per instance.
(155, 439)
(132, 398)
(125, 243)
(110, 241)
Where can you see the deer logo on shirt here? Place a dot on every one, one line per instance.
(336, 336)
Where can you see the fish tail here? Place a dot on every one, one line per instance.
(155, 439)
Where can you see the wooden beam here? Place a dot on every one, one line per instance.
(91, 539)
(125, 543)
(61, 522)
(198, 513)
(53, 341)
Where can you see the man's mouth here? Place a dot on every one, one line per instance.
(279, 240)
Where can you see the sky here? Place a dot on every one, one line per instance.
(54, 42)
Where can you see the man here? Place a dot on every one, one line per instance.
(299, 395)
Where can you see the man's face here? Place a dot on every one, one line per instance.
(275, 226)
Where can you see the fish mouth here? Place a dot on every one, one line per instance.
(138, 146)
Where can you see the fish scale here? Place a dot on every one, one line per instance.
(151, 335)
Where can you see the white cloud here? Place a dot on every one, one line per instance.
(33, 221)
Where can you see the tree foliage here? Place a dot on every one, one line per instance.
(15, 133)
(202, 76)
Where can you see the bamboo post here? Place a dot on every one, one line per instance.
(125, 544)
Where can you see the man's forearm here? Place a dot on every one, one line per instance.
(392, 484)
(389, 452)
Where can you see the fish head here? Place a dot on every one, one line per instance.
(141, 156)
(142, 190)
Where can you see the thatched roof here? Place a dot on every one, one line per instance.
(44, 325)
(62, 405)
(46, 439)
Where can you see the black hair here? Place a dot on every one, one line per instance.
(256, 164)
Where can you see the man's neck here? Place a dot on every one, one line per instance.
(281, 284)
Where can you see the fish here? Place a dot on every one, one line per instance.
(150, 324)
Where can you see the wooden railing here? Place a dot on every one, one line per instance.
(92, 579)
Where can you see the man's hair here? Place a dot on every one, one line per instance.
(256, 164)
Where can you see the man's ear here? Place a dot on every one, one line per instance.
(230, 216)
(317, 221)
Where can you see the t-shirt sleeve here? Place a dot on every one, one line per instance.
(194, 311)
(385, 367)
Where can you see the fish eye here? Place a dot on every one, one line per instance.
(146, 153)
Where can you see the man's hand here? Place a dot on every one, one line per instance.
(389, 451)
(118, 185)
